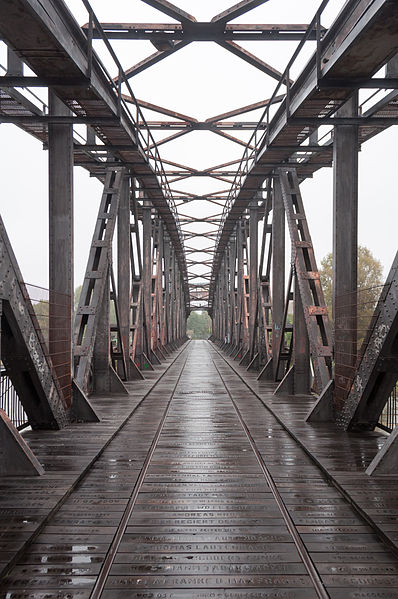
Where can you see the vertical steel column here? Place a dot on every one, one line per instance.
(301, 347)
(253, 276)
(178, 301)
(159, 288)
(106, 379)
(215, 327)
(345, 249)
(173, 299)
(223, 298)
(147, 276)
(123, 270)
(101, 362)
(278, 271)
(221, 306)
(239, 302)
(60, 163)
(230, 296)
(226, 297)
(234, 292)
(136, 317)
(14, 64)
(167, 288)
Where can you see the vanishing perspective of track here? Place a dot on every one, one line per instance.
(202, 493)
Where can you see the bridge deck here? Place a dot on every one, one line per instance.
(201, 492)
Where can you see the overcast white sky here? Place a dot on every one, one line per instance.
(201, 80)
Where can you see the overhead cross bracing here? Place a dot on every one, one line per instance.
(165, 124)
(173, 132)
(152, 424)
(189, 183)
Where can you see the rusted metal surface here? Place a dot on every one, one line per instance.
(308, 99)
(96, 281)
(167, 33)
(377, 371)
(306, 272)
(28, 364)
(343, 63)
(94, 98)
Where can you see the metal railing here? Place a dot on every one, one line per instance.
(358, 317)
(145, 137)
(125, 106)
(260, 135)
(51, 313)
(389, 416)
(9, 402)
(259, 139)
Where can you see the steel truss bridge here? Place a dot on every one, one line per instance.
(136, 462)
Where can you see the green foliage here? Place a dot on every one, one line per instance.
(325, 273)
(370, 279)
(41, 310)
(78, 291)
(199, 325)
(112, 312)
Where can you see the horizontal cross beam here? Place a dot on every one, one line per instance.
(205, 125)
(206, 32)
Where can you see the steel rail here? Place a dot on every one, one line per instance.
(327, 476)
(301, 548)
(88, 468)
(117, 539)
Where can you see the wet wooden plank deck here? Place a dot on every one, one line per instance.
(185, 501)
(67, 455)
(344, 457)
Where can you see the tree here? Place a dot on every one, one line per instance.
(200, 325)
(42, 310)
(78, 291)
(370, 279)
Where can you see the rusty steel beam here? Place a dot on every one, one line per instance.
(253, 60)
(237, 10)
(243, 110)
(306, 271)
(171, 10)
(204, 125)
(154, 58)
(166, 33)
(160, 109)
(169, 138)
(346, 40)
(23, 349)
(92, 326)
(231, 138)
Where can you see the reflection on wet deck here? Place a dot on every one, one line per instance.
(212, 510)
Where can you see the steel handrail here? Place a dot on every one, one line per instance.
(148, 142)
(252, 147)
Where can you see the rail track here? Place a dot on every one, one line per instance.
(203, 494)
